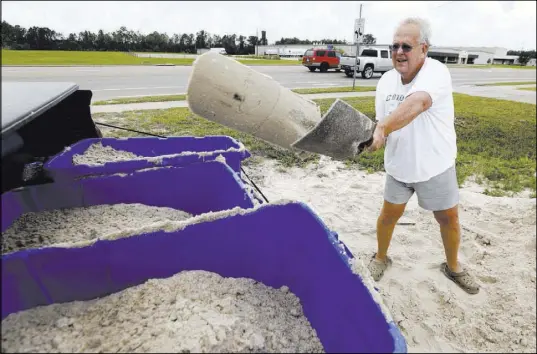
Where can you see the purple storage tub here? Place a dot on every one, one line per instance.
(197, 189)
(197, 149)
(278, 245)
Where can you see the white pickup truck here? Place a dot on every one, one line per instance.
(370, 61)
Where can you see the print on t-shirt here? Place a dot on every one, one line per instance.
(392, 102)
(395, 97)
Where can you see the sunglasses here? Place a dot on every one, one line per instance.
(406, 47)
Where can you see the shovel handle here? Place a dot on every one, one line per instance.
(367, 143)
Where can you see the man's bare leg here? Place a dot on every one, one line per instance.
(386, 222)
(451, 237)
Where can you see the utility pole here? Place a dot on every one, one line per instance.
(358, 36)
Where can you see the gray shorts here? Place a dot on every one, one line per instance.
(439, 193)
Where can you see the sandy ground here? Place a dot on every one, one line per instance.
(498, 246)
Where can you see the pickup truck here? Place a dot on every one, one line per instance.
(370, 61)
(39, 119)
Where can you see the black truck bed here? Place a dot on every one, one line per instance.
(39, 119)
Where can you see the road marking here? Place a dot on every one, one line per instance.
(139, 88)
(503, 78)
(135, 96)
(299, 82)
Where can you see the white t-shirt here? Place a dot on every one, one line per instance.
(428, 145)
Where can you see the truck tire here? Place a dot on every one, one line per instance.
(324, 67)
(312, 68)
(349, 73)
(368, 72)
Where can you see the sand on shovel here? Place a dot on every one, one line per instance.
(342, 133)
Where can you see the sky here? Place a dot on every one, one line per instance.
(507, 24)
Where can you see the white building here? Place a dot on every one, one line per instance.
(448, 55)
(298, 50)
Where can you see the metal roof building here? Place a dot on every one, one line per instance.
(448, 55)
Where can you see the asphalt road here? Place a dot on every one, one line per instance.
(127, 81)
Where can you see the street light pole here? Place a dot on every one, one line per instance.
(357, 51)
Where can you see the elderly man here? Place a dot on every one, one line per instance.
(415, 114)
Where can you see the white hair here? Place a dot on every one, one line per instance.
(423, 25)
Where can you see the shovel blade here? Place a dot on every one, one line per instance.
(342, 133)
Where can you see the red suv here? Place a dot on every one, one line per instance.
(323, 59)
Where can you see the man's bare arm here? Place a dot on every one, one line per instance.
(406, 112)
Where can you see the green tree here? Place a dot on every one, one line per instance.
(369, 39)
(123, 39)
(201, 39)
(242, 45)
(523, 58)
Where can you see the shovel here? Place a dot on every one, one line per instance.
(225, 91)
(343, 133)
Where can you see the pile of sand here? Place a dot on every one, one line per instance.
(46, 228)
(98, 154)
(498, 246)
(193, 311)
